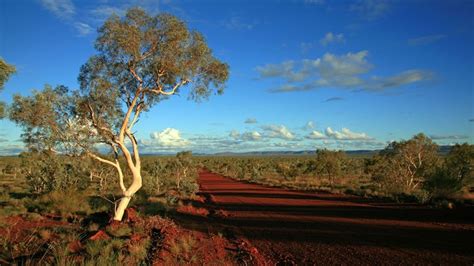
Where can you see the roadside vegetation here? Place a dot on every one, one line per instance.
(41, 220)
(406, 171)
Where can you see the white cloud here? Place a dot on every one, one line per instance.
(341, 71)
(278, 131)
(246, 136)
(83, 28)
(66, 11)
(103, 12)
(63, 9)
(169, 137)
(346, 134)
(346, 71)
(234, 134)
(332, 38)
(284, 69)
(251, 136)
(316, 135)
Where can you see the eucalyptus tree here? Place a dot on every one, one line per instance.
(6, 70)
(141, 60)
(405, 165)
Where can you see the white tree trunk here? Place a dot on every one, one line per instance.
(127, 195)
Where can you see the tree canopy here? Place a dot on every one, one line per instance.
(6, 71)
(141, 60)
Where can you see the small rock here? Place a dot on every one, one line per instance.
(100, 235)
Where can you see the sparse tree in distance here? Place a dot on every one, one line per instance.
(330, 163)
(6, 71)
(183, 164)
(141, 61)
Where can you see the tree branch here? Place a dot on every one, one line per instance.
(159, 89)
(101, 159)
(136, 154)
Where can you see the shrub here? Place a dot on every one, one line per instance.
(46, 172)
(443, 184)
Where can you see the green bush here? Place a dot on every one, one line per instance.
(46, 172)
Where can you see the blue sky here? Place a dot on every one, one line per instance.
(304, 74)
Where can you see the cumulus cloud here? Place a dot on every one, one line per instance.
(63, 9)
(332, 38)
(170, 137)
(424, 40)
(371, 9)
(316, 135)
(250, 121)
(278, 131)
(345, 134)
(346, 71)
(341, 70)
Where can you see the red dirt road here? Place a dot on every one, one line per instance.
(291, 227)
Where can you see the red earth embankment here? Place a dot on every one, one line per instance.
(293, 227)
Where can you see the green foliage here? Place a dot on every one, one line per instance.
(46, 172)
(48, 119)
(403, 166)
(106, 252)
(67, 204)
(182, 249)
(120, 230)
(460, 163)
(165, 175)
(6, 71)
(330, 163)
(454, 175)
(442, 184)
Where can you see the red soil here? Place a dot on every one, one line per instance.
(293, 227)
(19, 228)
